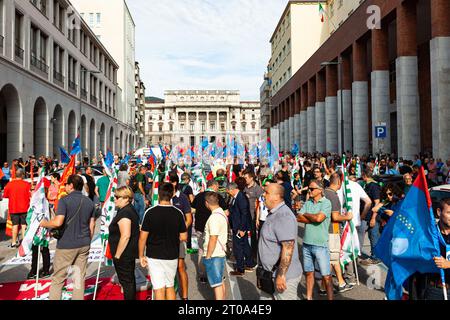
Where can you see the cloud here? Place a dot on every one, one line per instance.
(204, 44)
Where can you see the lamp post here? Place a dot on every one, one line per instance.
(339, 64)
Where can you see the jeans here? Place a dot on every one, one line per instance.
(374, 236)
(362, 235)
(321, 255)
(242, 252)
(214, 270)
(125, 272)
(139, 205)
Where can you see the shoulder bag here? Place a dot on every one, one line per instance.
(59, 232)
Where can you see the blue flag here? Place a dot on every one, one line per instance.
(295, 150)
(109, 160)
(205, 143)
(163, 153)
(76, 147)
(125, 160)
(410, 240)
(65, 158)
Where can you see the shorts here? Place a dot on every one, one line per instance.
(162, 272)
(214, 270)
(182, 250)
(321, 255)
(18, 218)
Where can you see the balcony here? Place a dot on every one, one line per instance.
(18, 53)
(39, 66)
(83, 94)
(93, 100)
(58, 78)
(72, 87)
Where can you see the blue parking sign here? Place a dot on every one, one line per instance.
(380, 132)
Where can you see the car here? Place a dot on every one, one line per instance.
(97, 171)
(437, 194)
(386, 179)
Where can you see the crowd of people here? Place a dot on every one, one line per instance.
(246, 212)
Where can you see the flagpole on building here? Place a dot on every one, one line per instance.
(37, 273)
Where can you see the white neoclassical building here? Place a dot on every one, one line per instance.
(57, 81)
(186, 116)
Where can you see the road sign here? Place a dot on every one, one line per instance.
(380, 132)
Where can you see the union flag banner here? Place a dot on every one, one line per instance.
(68, 171)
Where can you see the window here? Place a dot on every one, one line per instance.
(44, 40)
(150, 127)
(34, 41)
(182, 126)
(213, 126)
(99, 19)
(160, 128)
(171, 127)
(192, 126)
(91, 20)
(203, 126)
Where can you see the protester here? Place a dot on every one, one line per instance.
(6, 175)
(90, 184)
(390, 196)
(53, 190)
(278, 246)
(261, 209)
(202, 214)
(240, 220)
(285, 182)
(137, 185)
(253, 191)
(101, 187)
(408, 182)
(318, 175)
(181, 202)
(18, 192)
(123, 177)
(316, 214)
(214, 248)
(76, 213)
(123, 241)
(371, 222)
(159, 243)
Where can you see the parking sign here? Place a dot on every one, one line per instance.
(380, 132)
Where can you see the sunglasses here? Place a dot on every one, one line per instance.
(312, 189)
(390, 194)
(117, 197)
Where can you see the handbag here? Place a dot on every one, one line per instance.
(264, 280)
(59, 232)
(334, 243)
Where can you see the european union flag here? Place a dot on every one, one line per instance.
(109, 160)
(76, 147)
(65, 158)
(205, 143)
(410, 240)
(295, 150)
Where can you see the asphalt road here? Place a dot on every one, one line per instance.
(371, 286)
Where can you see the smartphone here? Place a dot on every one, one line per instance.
(238, 236)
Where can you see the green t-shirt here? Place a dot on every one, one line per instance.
(103, 185)
(140, 178)
(316, 234)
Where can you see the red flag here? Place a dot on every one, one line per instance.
(1, 174)
(68, 171)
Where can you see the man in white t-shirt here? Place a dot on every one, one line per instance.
(216, 236)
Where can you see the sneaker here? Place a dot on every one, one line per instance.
(44, 274)
(346, 287)
(323, 293)
(14, 245)
(351, 282)
(31, 276)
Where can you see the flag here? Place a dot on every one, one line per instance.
(65, 158)
(349, 240)
(163, 153)
(321, 13)
(125, 160)
(410, 240)
(109, 160)
(39, 210)
(76, 146)
(108, 211)
(204, 144)
(155, 200)
(68, 171)
(1, 174)
(358, 169)
(13, 171)
(295, 150)
(376, 169)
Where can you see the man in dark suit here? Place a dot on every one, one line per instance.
(240, 220)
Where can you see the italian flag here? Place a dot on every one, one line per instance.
(155, 188)
(321, 13)
(349, 239)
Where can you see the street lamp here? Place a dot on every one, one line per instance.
(339, 64)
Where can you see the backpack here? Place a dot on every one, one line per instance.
(134, 184)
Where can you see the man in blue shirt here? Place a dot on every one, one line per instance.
(7, 175)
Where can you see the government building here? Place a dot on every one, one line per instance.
(57, 81)
(380, 75)
(187, 116)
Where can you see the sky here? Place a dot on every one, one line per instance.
(204, 44)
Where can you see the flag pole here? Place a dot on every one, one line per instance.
(354, 262)
(37, 274)
(444, 289)
(98, 270)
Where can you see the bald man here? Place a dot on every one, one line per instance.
(277, 246)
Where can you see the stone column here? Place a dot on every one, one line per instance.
(331, 110)
(282, 126)
(345, 95)
(380, 89)
(320, 112)
(304, 119)
(360, 97)
(440, 78)
(311, 115)
(291, 120)
(297, 121)
(408, 111)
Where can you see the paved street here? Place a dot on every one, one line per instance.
(237, 288)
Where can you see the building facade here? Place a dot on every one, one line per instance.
(187, 116)
(139, 119)
(57, 81)
(265, 96)
(379, 60)
(112, 23)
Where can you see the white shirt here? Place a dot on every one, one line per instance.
(84, 192)
(217, 225)
(264, 211)
(358, 194)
